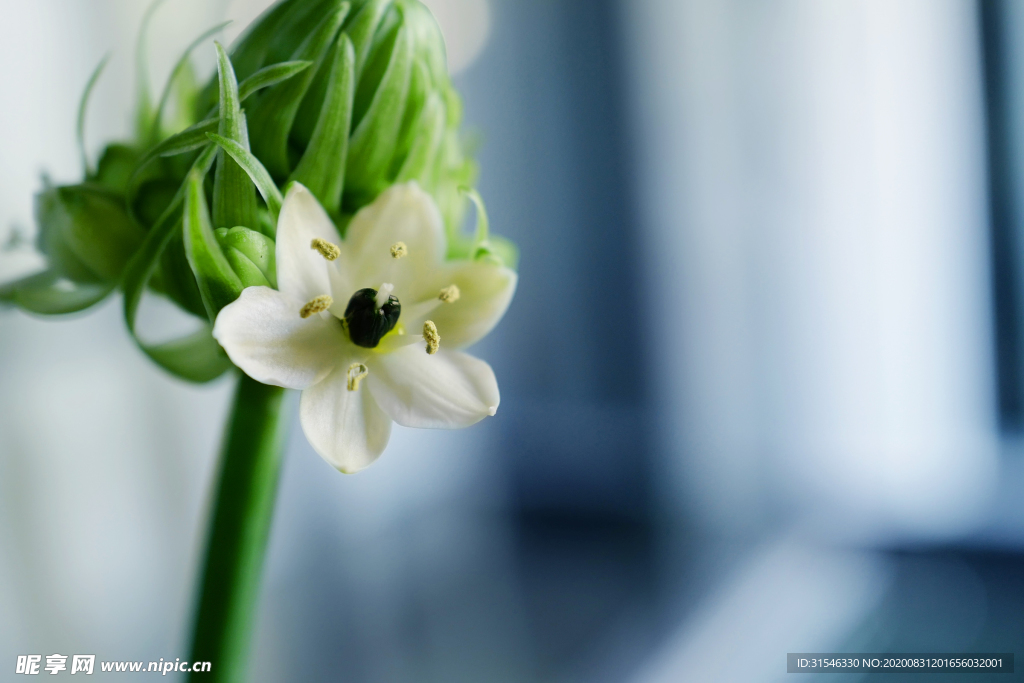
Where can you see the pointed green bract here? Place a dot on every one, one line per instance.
(234, 202)
(271, 75)
(322, 167)
(254, 170)
(154, 132)
(218, 283)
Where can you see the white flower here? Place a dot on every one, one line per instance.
(301, 337)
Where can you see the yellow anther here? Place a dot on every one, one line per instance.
(356, 373)
(320, 303)
(449, 294)
(398, 250)
(432, 337)
(327, 250)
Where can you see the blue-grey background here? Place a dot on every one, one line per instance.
(761, 386)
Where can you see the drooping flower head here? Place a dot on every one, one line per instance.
(369, 327)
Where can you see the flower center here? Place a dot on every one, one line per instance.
(371, 314)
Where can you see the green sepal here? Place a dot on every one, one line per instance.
(218, 283)
(86, 232)
(322, 167)
(271, 118)
(255, 171)
(484, 246)
(251, 255)
(197, 357)
(234, 202)
(498, 250)
(47, 293)
(375, 137)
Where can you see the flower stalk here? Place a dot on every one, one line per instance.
(237, 537)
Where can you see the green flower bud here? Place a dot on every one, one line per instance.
(250, 254)
(380, 74)
(85, 232)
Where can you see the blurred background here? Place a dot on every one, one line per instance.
(763, 379)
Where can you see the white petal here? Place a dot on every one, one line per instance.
(264, 335)
(301, 271)
(402, 213)
(446, 390)
(346, 428)
(485, 291)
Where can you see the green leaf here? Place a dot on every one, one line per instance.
(197, 357)
(272, 117)
(154, 131)
(322, 167)
(234, 202)
(82, 105)
(144, 105)
(373, 142)
(174, 277)
(218, 283)
(256, 172)
(48, 294)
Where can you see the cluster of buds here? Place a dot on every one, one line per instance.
(345, 97)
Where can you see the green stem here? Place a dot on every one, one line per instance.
(243, 509)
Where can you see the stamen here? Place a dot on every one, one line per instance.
(317, 305)
(383, 293)
(449, 294)
(356, 373)
(398, 250)
(327, 250)
(431, 336)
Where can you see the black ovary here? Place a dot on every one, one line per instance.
(367, 324)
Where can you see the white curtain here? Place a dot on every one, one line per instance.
(812, 187)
